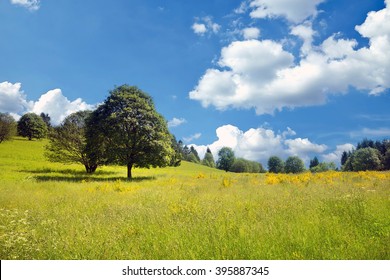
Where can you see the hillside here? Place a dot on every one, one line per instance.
(55, 211)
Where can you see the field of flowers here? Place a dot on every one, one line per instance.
(53, 211)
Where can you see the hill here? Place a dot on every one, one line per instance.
(55, 211)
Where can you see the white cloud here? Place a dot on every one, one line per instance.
(176, 122)
(12, 98)
(192, 137)
(295, 11)
(199, 28)
(370, 132)
(260, 74)
(260, 143)
(335, 156)
(58, 106)
(251, 33)
(31, 5)
(14, 101)
(205, 25)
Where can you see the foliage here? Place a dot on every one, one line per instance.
(275, 165)
(294, 165)
(32, 126)
(68, 142)
(127, 130)
(7, 127)
(241, 165)
(314, 162)
(208, 159)
(177, 155)
(225, 159)
(364, 159)
(46, 118)
(323, 167)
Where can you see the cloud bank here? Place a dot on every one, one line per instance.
(32, 5)
(261, 74)
(14, 101)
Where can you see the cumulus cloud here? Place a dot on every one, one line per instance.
(176, 122)
(294, 11)
(14, 101)
(260, 74)
(205, 25)
(58, 106)
(335, 156)
(31, 5)
(251, 33)
(260, 143)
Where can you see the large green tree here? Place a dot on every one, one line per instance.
(68, 142)
(126, 129)
(364, 159)
(294, 165)
(7, 127)
(32, 126)
(275, 165)
(225, 158)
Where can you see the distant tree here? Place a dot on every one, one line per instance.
(366, 159)
(365, 143)
(294, 165)
(323, 166)
(314, 162)
(344, 157)
(32, 126)
(386, 160)
(208, 159)
(195, 153)
(177, 148)
(240, 165)
(186, 152)
(68, 142)
(225, 158)
(126, 129)
(7, 127)
(275, 165)
(46, 118)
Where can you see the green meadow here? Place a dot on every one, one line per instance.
(56, 211)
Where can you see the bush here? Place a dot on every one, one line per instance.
(294, 165)
(275, 165)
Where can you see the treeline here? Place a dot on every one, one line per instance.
(368, 155)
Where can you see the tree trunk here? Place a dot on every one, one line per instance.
(91, 168)
(129, 167)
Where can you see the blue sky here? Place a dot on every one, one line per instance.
(280, 77)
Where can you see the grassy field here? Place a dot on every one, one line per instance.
(55, 211)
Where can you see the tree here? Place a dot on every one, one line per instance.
(68, 142)
(208, 159)
(294, 165)
(275, 165)
(7, 127)
(314, 162)
(225, 158)
(240, 165)
(344, 158)
(323, 166)
(126, 129)
(177, 148)
(46, 118)
(366, 159)
(32, 126)
(195, 153)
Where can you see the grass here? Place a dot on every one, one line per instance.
(55, 211)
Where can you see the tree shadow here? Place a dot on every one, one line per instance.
(86, 178)
(75, 176)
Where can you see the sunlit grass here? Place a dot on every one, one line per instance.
(55, 211)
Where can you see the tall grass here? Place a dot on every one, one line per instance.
(54, 211)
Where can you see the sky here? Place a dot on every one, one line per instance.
(264, 77)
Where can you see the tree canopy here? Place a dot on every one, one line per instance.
(7, 127)
(225, 158)
(32, 126)
(127, 130)
(275, 165)
(68, 142)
